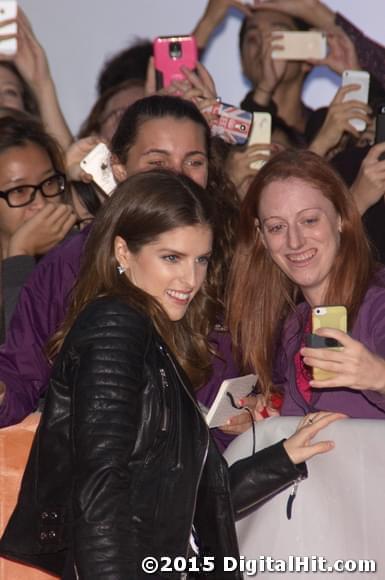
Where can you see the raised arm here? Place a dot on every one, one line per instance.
(213, 16)
(32, 64)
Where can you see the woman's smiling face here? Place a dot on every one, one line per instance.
(172, 268)
(300, 229)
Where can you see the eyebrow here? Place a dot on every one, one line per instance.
(299, 213)
(165, 152)
(181, 254)
(47, 173)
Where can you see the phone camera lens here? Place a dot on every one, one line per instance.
(175, 49)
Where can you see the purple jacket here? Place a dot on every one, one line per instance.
(40, 310)
(369, 328)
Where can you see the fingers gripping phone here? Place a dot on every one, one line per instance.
(362, 78)
(170, 53)
(326, 317)
(260, 134)
(8, 11)
(98, 164)
(300, 45)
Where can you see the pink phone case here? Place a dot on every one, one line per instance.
(170, 53)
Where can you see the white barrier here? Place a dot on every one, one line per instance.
(339, 511)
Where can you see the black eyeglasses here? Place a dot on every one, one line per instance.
(25, 194)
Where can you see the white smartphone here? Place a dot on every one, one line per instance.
(300, 45)
(225, 404)
(362, 78)
(260, 134)
(8, 11)
(98, 164)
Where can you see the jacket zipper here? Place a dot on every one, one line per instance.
(295, 482)
(207, 441)
(76, 572)
(165, 410)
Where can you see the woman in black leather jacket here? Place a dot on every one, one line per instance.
(123, 467)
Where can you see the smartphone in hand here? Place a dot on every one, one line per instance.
(170, 53)
(231, 124)
(361, 78)
(300, 45)
(98, 164)
(326, 317)
(260, 135)
(8, 11)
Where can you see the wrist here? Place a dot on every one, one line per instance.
(322, 16)
(262, 95)
(204, 29)
(16, 249)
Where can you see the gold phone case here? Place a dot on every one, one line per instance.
(328, 317)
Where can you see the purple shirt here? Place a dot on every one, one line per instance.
(41, 308)
(369, 329)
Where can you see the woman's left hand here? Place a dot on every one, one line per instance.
(353, 366)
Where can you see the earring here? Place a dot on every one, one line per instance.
(121, 269)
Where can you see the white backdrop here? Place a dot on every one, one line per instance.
(79, 35)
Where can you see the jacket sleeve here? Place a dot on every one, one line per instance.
(107, 404)
(15, 271)
(257, 478)
(24, 367)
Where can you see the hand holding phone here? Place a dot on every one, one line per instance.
(260, 135)
(98, 164)
(8, 11)
(299, 45)
(361, 79)
(170, 53)
(230, 123)
(326, 317)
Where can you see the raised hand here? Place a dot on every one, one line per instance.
(353, 366)
(369, 185)
(42, 231)
(338, 121)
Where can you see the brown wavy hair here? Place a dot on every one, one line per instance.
(260, 296)
(142, 208)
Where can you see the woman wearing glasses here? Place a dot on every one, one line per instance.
(33, 218)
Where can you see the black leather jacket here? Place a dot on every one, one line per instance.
(123, 464)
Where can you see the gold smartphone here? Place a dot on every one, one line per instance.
(328, 317)
(260, 134)
(300, 45)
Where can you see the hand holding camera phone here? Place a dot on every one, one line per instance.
(8, 11)
(98, 164)
(361, 78)
(230, 123)
(260, 135)
(170, 53)
(299, 45)
(326, 317)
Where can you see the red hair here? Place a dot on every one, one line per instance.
(259, 294)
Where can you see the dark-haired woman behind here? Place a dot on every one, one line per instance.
(136, 473)
(302, 245)
(33, 218)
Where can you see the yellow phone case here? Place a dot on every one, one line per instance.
(328, 317)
